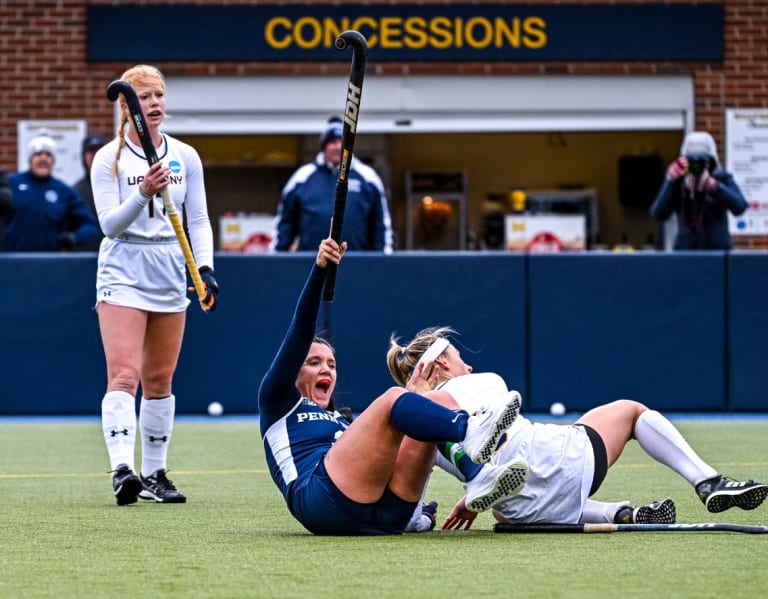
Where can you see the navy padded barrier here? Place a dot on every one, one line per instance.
(226, 353)
(747, 331)
(597, 327)
(482, 296)
(52, 362)
(648, 327)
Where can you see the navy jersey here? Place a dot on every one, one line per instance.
(296, 431)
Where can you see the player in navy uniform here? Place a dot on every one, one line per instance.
(367, 477)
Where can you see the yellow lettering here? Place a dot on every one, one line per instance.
(440, 27)
(391, 32)
(362, 23)
(535, 32)
(272, 36)
(331, 30)
(506, 34)
(415, 32)
(469, 32)
(315, 33)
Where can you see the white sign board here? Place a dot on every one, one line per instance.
(746, 134)
(68, 135)
(247, 233)
(545, 233)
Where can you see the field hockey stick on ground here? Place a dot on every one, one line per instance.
(351, 112)
(598, 528)
(140, 124)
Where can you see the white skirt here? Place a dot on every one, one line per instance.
(560, 458)
(144, 274)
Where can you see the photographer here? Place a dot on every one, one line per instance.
(701, 193)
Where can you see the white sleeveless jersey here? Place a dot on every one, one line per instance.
(560, 457)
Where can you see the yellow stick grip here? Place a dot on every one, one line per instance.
(189, 258)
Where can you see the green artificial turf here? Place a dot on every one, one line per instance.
(63, 536)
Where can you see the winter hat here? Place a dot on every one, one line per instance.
(699, 142)
(94, 141)
(42, 143)
(333, 130)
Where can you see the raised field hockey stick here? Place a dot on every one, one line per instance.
(351, 112)
(140, 124)
(591, 528)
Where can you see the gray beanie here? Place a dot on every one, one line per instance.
(42, 143)
(699, 142)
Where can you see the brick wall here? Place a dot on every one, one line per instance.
(44, 74)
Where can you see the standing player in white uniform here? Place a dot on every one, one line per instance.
(567, 463)
(141, 287)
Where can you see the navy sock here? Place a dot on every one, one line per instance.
(424, 420)
(454, 453)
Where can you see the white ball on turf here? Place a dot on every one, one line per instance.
(215, 409)
(557, 409)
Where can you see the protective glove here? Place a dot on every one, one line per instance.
(677, 169)
(67, 240)
(211, 287)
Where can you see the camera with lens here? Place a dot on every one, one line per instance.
(697, 164)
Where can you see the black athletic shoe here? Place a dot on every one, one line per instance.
(126, 485)
(158, 487)
(659, 512)
(722, 493)
(430, 510)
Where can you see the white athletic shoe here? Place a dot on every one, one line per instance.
(496, 482)
(485, 428)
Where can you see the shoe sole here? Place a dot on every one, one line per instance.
(507, 419)
(510, 483)
(128, 492)
(664, 513)
(150, 496)
(748, 499)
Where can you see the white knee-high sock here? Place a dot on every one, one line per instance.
(118, 421)
(664, 443)
(156, 425)
(600, 512)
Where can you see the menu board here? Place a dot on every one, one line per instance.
(746, 135)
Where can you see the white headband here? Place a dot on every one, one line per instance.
(433, 351)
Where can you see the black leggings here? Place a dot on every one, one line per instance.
(601, 458)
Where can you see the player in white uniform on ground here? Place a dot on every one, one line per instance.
(567, 463)
(141, 286)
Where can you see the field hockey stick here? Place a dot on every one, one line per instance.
(140, 124)
(351, 112)
(598, 528)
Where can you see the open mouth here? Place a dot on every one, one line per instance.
(323, 385)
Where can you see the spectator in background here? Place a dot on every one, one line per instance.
(44, 206)
(307, 200)
(700, 191)
(6, 203)
(91, 145)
